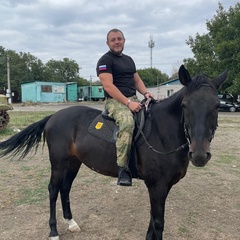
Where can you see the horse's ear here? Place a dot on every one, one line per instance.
(218, 81)
(184, 76)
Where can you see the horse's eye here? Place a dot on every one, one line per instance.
(183, 104)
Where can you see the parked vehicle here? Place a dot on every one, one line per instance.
(90, 93)
(227, 103)
(4, 107)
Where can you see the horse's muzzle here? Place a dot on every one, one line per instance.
(199, 154)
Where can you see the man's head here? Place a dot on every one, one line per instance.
(115, 41)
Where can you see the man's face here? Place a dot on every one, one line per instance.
(116, 42)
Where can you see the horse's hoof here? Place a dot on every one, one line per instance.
(54, 238)
(73, 226)
(74, 229)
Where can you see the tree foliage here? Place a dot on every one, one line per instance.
(152, 76)
(25, 67)
(219, 49)
(65, 70)
(28, 68)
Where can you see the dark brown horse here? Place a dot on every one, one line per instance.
(180, 129)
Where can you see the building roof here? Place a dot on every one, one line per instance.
(171, 82)
(49, 83)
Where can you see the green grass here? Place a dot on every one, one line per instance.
(26, 168)
(182, 230)
(228, 120)
(38, 192)
(227, 159)
(7, 131)
(29, 193)
(20, 120)
(229, 123)
(3, 171)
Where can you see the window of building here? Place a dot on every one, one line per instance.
(170, 92)
(46, 88)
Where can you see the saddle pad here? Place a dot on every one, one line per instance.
(106, 130)
(103, 129)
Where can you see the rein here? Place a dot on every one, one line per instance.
(159, 152)
(166, 153)
(140, 132)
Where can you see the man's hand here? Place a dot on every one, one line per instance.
(148, 95)
(134, 106)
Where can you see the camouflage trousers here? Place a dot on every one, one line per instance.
(125, 121)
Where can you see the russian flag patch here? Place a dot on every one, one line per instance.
(102, 67)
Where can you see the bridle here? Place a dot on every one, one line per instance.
(187, 136)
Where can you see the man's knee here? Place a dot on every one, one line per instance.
(127, 124)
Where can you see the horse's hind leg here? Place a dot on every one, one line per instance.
(62, 176)
(68, 178)
(53, 188)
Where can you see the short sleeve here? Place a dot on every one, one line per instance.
(104, 65)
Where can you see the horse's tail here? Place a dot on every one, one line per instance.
(22, 142)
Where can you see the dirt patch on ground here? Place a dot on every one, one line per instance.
(205, 205)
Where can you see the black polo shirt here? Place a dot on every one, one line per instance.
(122, 68)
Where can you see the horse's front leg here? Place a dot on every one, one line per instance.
(158, 193)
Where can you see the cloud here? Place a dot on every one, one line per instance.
(53, 29)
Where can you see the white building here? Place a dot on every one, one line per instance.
(164, 90)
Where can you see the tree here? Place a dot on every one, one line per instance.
(82, 81)
(3, 68)
(152, 76)
(25, 67)
(28, 68)
(34, 67)
(65, 70)
(97, 83)
(219, 49)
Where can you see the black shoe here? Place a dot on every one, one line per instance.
(124, 177)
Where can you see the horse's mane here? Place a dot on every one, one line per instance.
(197, 82)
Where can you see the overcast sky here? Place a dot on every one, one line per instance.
(76, 29)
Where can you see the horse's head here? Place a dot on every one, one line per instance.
(200, 113)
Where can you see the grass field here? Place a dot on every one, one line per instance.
(20, 120)
(205, 205)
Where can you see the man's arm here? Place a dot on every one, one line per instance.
(140, 86)
(107, 82)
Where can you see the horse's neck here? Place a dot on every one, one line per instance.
(167, 119)
(172, 105)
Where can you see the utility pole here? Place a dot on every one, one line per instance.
(8, 94)
(90, 92)
(151, 45)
